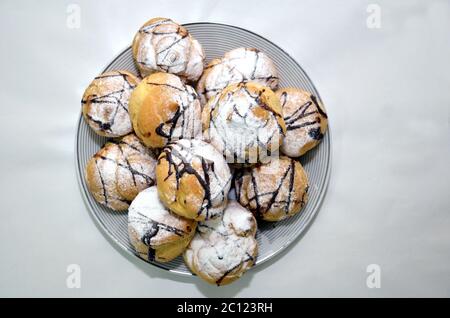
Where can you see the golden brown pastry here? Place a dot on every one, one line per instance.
(164, 109)
(239, 65)
(156, 233)
(244, 122)
(136, 169)
(162, 45)
(305, 118)
(101, 177)
(193, 179)
(224, 248)
(118, 171)
(273, 191)
(105, 103)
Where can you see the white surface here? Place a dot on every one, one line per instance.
(387, 93)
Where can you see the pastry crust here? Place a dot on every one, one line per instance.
(156, 233)
(244, 122)
(236, 66)
(101, 177)
(164, 109)
(273, 191)
(162, 45)
(306, 121)
(223, 249)
(119, 171)
(193, 179)
(105, 103)
(136, 169)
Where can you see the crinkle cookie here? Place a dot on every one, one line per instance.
(156, 233)
(273, 191)
(239, 65)
(305, 118)
(162, 45)
(224, 248)
(193, 179)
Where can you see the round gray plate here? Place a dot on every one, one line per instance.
(272, 237)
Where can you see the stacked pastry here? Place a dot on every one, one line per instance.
(175, 151)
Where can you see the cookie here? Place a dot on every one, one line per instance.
(236, 66)
(305, 118)
(193, 179)
(156, 233)
(105, 103)
(223, 249)
(162, 45)
(273, 191)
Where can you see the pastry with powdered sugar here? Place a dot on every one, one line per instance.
(119, 171)
(156, 233)
(223, 249)
(305, 118)
(193, 179)
(105, 103)
(162, 45)
(273, 191)
(164, 109)
(236, 66)
(245, 123)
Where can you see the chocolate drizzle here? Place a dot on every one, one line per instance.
(185, 167)
(298, 119)
(180, 165)
(187, 100)
(230, 148)
(270, 200)
(229, 70)
(114, 99)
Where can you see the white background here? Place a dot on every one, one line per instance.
(387, 92)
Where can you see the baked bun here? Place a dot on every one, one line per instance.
(105, 103)
(193, 179)
(162, 45)
(156, 233)
(238, 65)
(164, 109)
(136, 169)
(223, 248)
(305, 118)
(273, 191)
(118, 171)
(244, 122)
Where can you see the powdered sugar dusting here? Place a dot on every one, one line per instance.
(273, 191)
(165, 46)
(105, 103)
(224, 248)
(146, 213)
(305, 119)
(212, 172)
(240, 126)
(238, 65)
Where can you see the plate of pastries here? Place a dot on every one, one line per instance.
(202, 149)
